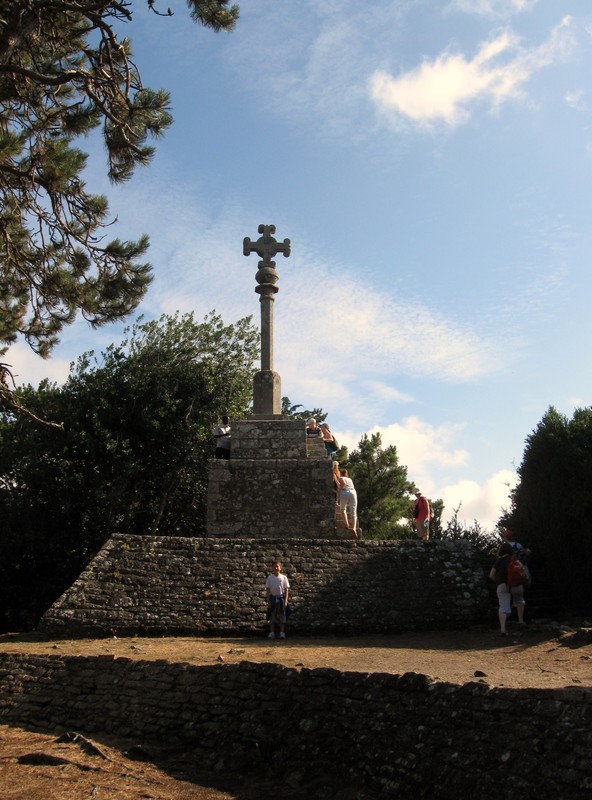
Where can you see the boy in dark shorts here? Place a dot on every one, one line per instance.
(277, 589)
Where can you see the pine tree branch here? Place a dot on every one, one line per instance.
(10, 405)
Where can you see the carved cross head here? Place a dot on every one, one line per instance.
(266, 246)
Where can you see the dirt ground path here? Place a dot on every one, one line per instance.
(36, 766)
(536, 657)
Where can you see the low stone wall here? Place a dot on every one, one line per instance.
(324, 732)
(153, 585)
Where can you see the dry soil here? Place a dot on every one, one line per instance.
(35, 766)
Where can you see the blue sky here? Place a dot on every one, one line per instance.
(431, 162)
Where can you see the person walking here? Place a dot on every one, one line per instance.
(421, 516)
(522, 554)
(506, 594)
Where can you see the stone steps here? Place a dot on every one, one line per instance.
(315, 447)
(341, 529)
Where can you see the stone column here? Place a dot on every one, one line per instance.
(267, 392)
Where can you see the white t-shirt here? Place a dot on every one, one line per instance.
(222, 434)
(277, 584)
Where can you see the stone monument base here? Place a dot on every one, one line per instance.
(177, 586)
(276, 483)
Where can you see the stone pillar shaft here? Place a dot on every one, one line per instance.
(267, 300)
(267, 393)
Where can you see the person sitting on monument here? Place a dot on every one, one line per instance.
(277, 589)
(313, 430)
(331, 445)
(222, 436)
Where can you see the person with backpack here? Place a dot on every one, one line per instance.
(508, 574)
(522, 554)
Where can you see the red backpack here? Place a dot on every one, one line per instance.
(516, 573)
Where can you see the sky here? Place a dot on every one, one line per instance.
(431, 163)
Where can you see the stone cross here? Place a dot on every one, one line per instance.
(266, 246)
(266, 385)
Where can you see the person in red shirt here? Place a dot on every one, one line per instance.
(421, 516)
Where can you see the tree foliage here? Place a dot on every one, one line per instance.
(552, 503)
(132, 456)
(297, 411)
(382, 486)
(64, 71)
(485, 542)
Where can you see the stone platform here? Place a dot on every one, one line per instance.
(165, 586)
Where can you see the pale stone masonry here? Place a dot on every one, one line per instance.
(265, 439)
(275, 484)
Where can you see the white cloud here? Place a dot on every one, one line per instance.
(318, 71)
(484, 503)
(575, 99)
(364, 333)
(444, 89)
(432, 456)
(351, 353)
(352, 350)
(492, 8)
(388, 393)
(421, 447)
(577, 402)
(27, 367)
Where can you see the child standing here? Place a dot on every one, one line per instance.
(277, 589)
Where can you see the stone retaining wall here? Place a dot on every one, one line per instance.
(324, 732)
(153, 585)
